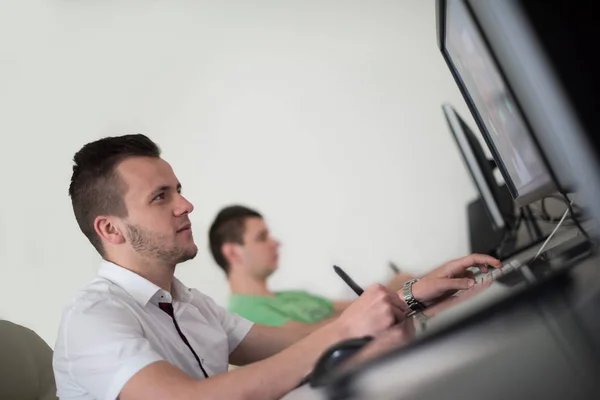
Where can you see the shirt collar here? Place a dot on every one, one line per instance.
(141, 289)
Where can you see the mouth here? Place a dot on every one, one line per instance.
(185, 227)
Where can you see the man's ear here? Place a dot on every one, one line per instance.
(231, 253)
(108, 229)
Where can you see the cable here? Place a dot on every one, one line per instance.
(545, 215)
(574, 218)
(510, 233)
(551, 235)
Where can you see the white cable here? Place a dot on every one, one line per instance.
(553, 232)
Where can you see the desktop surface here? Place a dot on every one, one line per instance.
(518, 274)
(505, 325)
(449, 335)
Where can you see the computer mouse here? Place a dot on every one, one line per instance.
(334, 356)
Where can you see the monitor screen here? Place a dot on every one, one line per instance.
(507, 134)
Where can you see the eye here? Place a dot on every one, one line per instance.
(160, 196)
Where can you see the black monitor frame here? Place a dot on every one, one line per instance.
(481, 169)
(520, 200)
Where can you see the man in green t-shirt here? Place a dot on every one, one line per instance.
(242, 246)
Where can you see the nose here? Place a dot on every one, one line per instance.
(183, 206)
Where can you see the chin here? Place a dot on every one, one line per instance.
(192, 252)
(188, 254)
(270, 271)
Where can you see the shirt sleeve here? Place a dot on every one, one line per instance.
(234, 326)
(100, 347)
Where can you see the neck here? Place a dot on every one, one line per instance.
(161, 274)
(248, 285)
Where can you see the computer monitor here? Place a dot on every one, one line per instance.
(494, 106)
(566, 139)
(545, 52)
(481, 170)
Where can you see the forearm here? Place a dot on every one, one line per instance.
(340, 306)
(299, 330)
(269, 340)
(268, 379)
(271, 378)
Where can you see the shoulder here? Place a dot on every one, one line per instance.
(98, 315)
(199, 298)
(242, 303)
(99, 300)
(205, 304)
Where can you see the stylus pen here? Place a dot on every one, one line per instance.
(394, 267)
(353, 285)
(357, 289)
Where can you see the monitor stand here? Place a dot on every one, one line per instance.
(500, 243)
(484, 239)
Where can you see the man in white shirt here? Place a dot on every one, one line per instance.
(137, 332)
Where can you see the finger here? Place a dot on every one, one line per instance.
(469, 275)
(399, 316)
(482, 267)
(399, 307)
(373, 292)
(375, 287)
(444, 285)
(459, 265)
(390, 319)
(397, 302)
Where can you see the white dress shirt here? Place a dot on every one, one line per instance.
(113, 328)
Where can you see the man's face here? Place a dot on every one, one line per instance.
(157, 226)
(260, 251)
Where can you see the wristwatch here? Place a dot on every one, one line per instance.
(409, 299)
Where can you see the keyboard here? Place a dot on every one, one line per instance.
(495, 273)
(555, 259)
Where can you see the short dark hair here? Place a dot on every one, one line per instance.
(228, 227)
(96, 188)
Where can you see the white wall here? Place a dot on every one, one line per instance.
(325, 115)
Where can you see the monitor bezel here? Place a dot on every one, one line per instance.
(520, 199)
(475, 170)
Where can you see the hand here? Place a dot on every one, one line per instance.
(398, 280)
(374, 311)
(389, 339)
(454, 299)
(451, 277)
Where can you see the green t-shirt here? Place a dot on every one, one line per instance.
(283, 307)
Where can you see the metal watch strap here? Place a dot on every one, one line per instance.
(408, 297)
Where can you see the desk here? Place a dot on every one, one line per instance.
(542, 343)
(305, 392)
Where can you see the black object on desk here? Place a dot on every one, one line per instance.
(484, 239)
(333, 357)
(353, 285)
